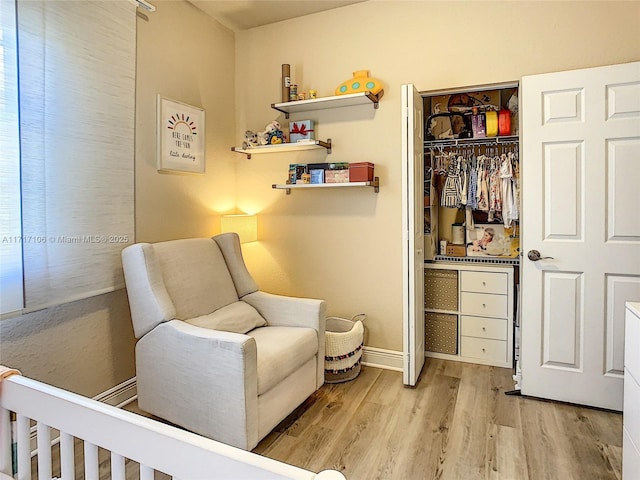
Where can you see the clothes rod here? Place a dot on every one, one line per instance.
(454, 142)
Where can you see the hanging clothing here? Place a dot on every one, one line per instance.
(495, 197)
(482, 194)
(472, 189)
(452, 188)
(464, 180)
(509, 207)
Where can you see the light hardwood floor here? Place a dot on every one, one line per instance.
(457, 424)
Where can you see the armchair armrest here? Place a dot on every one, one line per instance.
(279, 310)
(197, 378)
(289, 311)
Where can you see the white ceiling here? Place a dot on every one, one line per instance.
(244, 14)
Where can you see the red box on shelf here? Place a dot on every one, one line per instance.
(361, 172)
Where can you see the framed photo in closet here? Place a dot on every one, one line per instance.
(489, 240)
(180, 137)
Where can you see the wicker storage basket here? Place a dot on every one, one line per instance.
(343, 348)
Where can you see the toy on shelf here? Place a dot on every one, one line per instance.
(250, 140)
(272, 134)
(361, 82)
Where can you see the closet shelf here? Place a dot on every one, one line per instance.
(489, 260)
(288, 187)
(284, 147)
(361, 98)
(454, 142)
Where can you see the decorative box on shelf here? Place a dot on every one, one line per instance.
(301, 130)
(361, 172)
(336, 176)
(317, 175)
(296, 171)
(454, 250)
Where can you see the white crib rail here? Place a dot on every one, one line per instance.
(155, 446)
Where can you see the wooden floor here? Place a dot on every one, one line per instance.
(457, 424)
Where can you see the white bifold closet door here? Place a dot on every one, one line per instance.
(77, 69)
(412, 234)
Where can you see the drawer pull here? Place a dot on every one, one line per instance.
(484, 305)
(484, 329)
(483, 350)
(484, 284)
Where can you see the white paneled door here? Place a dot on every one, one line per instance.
(580, 232)
(412, 234)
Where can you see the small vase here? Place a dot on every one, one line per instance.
(361, 82)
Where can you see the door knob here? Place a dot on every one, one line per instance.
(534, 256)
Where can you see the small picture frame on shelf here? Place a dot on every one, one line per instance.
(490, 240)
(180, 137)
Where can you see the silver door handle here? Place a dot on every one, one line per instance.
(534, 256)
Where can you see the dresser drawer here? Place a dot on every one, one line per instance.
(484, 282)
(482, 327)
(483, 348)
(484, 304)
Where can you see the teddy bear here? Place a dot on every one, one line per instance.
(250, 140)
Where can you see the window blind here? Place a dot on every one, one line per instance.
(77, 104)
(11, 298)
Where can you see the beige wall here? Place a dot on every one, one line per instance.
(184, 55)
(345, 246)
(88, 346)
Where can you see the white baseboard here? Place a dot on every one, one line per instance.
(382, 358)
(120, 395)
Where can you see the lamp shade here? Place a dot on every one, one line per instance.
(246, 226)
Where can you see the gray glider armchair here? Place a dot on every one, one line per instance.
(214, 354)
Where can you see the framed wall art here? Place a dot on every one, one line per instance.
(180, 137)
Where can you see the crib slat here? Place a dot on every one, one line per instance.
(44, 451)
(117, 467)
(146, 472)
(24, 447)
(67, 457)
(91, 466)
(6, 466)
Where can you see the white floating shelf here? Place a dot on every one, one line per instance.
(350, 99)
(288, 187)
(284, 147)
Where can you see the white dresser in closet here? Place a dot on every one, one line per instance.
(479, 303)
(631, 408)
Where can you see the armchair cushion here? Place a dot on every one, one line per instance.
(196, 276)
(282, 351)
(238, 317)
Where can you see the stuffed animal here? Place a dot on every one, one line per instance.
(272, 127)
(262, 138)
(250, 140)
(272, 134)
(276, 137)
